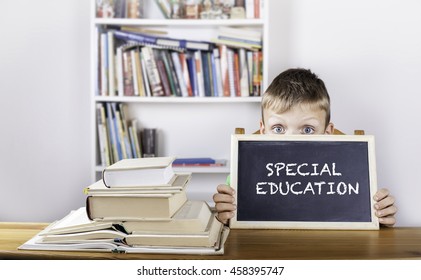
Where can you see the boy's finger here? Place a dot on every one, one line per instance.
(225, 207)
(380, 194)
(389, 211)
(384, 203)
(224, 217)
(225, 189)
(224, 198)
(388, 221)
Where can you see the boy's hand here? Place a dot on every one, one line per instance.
(224, 203)
(385, 208)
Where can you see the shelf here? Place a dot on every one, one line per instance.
(200, 170)
(137, 99)
(216, 169)
(178, 22)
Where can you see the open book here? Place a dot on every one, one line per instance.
(67, 235)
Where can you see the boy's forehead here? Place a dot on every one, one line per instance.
(297, 114)
(304, 108)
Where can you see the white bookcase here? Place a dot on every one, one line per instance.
(186, 126)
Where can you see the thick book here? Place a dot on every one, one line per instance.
(207, 237)
(193, 216)
(138, 172)
(99, 188)
(137, 206)
(53, 238)
(210, 237)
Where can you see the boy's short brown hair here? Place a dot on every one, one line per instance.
(293, 87)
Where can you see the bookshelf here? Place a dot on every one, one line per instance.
(186, 126)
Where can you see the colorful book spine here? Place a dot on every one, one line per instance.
(152, 72)
(179, 72)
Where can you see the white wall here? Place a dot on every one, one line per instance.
(369, 55)
(44, 84)
(367, 52)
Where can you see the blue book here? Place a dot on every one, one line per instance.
(163, 42)
(191, 65)
(206, 74)
(189, 161)
(205, 161)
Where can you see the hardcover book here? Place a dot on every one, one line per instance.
(136, 206)
(139, 172)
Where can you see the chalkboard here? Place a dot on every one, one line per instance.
(304, 182)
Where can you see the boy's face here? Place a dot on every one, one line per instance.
(300, 119)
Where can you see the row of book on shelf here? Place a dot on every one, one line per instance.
(140, 64)
(119, 137)
(181, 9)
(138, 206)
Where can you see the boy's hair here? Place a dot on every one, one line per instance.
(293, 87)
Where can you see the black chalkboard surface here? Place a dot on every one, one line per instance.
(314, 182)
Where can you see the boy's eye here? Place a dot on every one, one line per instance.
(308, 130)
(278, 130)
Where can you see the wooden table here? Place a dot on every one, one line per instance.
(387, 243)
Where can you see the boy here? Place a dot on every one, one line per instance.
(297, 102)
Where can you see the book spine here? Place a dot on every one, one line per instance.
(224, 70)
(128, 74)
(112, 131)
(101, 136)
(199, 73)
(231, 78)
(111, 64)
(134, 73)
(104, 64)
(244, 75)
(129, 151)
(256, 74)
(152, 71)
(139, 73)
(206, 77)
(179, 72)
(241, 40)
(218, 77)
(186, 74)
(173, 73)
(192, 72)
(120, 71)
(250, 71)
(121, 148)
(164, 77)
(237, 75)
(145, 77)
(209, 57)
(175, 90)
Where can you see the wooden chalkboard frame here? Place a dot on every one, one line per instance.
(372, 224)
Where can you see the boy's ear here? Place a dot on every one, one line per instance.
(262, 127)
(330, 128)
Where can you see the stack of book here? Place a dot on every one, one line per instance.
(139, 206)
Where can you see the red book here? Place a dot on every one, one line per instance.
(237, 75)
(224, 70)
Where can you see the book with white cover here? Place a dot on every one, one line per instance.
(179, 183)
(138, 172)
